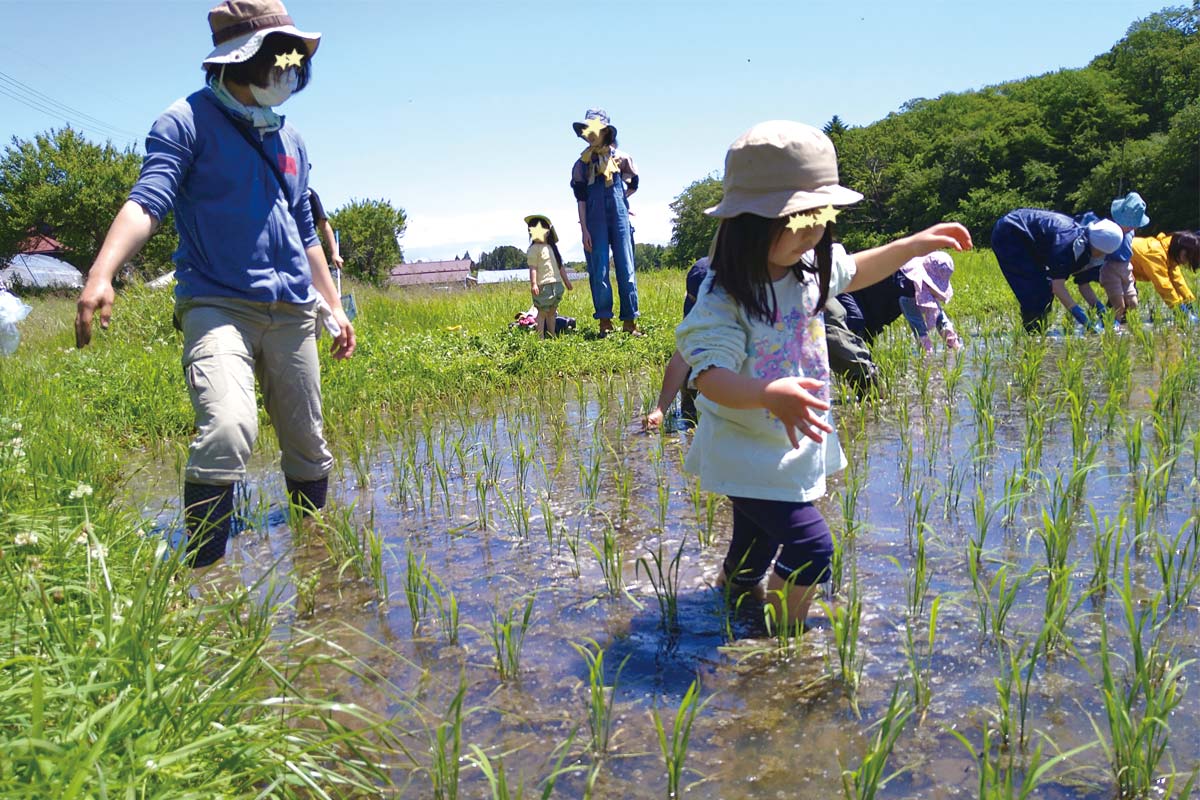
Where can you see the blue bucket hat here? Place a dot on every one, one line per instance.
(594, 113)
(1130, 211)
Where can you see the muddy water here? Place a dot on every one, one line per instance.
(774, 724)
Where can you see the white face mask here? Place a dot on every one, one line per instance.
(278, 89)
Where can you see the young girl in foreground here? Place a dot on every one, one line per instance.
(756, 345)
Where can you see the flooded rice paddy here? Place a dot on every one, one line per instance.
(533, 578)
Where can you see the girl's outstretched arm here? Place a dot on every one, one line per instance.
(877, 263)
(674, 377)
(789, 399)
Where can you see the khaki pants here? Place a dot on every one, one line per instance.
(227, 343)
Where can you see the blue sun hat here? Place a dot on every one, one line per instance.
(1130, 211)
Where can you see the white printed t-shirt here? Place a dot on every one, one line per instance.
(746, 452)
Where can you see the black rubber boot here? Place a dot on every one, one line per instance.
(308, 496)
(208, 514)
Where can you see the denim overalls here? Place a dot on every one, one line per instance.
(608, 225)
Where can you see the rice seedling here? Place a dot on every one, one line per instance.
(610, 559)
(916, 587)
(1176, 563)
(447, 605)
(664, 578)
(920, 661)
(1138, 704)
(1133, 437)
(999, 769)
(482, 506)
(711, 503)
(600, 699)
(674, 750)
(785, 631)
(507, 636)
(1025, 659)
(416, 588)
(377, 572)
(516, 509)
(445, 747)
(865, 782)
(845, 620)
(1106, 541)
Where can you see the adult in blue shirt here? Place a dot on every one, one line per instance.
(1039, 250)
(252, 280)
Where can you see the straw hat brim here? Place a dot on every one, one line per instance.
(243, 48)
(781, 203)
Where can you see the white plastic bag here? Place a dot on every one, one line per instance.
(12, 311)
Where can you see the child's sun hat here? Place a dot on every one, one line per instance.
(239, 27)
(778, 168)
(1130, 211)
(594, 117)
(552, 235)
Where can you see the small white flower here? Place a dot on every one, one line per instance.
(141, 534)
(80, 491)
(97, 551)
(81, 539)
(25, 539)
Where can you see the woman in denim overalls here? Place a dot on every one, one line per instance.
(603, 178)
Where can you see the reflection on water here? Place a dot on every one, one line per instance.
(568, 486)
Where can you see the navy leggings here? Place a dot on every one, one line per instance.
(763, 528)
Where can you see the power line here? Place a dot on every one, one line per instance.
(39, 101)
(58, 115)
(42, 97)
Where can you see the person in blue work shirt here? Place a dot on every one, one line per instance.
(603, 179)
(1039, 250)
(252, 278)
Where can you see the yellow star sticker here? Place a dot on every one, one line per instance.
(538, 232)
(291, 59)
(595, 126)
(812, 218)
(610, 169)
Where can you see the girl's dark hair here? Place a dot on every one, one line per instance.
(1185, 249)
(258, 69)
(740, 263)
(557, 255)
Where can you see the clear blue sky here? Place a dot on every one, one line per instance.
(461, 112)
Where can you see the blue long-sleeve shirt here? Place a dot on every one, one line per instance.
(1054, 241)
(238, 237)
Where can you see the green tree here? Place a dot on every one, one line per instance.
(648, 256)
(691, 229)
(62, 182)
(503, 257)
(370, 232)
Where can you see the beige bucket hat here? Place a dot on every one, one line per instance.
(552, 238)
(778, 168)
(239, 27)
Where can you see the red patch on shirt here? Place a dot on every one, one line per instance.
(287, 164)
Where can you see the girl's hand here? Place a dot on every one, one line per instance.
(587, 239)
(653, 420)
(943, 236)
(792, 401)
(533, 289)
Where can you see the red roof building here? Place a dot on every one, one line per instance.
(40, 244)
(428, 273)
